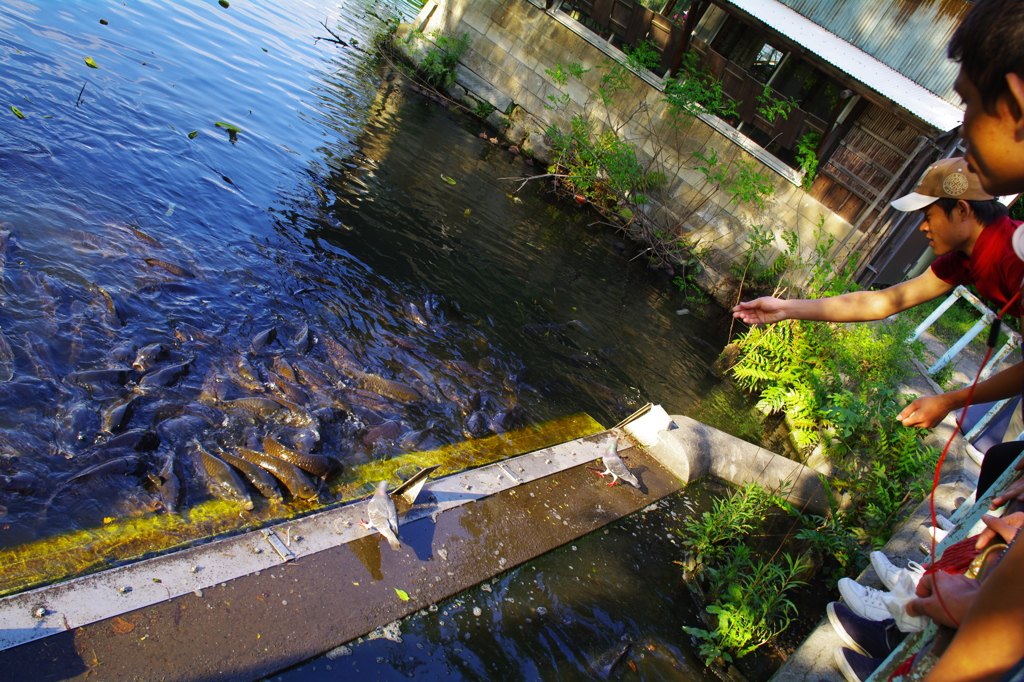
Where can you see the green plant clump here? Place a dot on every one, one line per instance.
(838, 386)
(438, 66)
(746, 595)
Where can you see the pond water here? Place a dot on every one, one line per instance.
(175, 289)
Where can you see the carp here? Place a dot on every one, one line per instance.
(258, 476)
(222, 480)
(294, 479)
(318, 465)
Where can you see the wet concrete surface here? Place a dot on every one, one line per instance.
(261, 623)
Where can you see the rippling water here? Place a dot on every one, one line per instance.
(153, 277)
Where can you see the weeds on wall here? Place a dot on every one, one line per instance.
(438, 65)
(807, 157)
(694, 91)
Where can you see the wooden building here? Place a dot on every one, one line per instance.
(867, 85)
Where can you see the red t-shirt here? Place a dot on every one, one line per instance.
(993, 267)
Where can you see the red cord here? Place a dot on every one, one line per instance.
(942, 458)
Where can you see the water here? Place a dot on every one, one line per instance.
(326, 210)
(564, 616)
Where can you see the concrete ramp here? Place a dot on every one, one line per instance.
(248, 606)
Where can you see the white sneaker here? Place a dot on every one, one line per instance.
(866, 602)
(889, 573)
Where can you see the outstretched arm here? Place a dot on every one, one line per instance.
(927, 411)
(857, 306)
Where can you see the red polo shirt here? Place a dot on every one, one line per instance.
(993, 268)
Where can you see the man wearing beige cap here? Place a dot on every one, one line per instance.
(972, 237)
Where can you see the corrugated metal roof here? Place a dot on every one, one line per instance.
(908, 35)
(854, 61)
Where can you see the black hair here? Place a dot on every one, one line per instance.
(987, 212)
(990, 44)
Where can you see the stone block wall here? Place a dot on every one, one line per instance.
(514, 44)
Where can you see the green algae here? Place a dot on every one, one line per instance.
(76, 553)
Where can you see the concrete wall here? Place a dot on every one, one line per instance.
(513, 46)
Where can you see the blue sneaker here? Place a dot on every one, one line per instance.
(854, 666)
(874, 638)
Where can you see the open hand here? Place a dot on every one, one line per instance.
(764, 310)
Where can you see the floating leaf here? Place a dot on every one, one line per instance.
(228, 127)
(193, 134)
(467, 212)
(402, 594)
(17, 111)
(450, 181)
(104, 22)
(91, 63)
(122, 626)
(224, 3)
(265, 49)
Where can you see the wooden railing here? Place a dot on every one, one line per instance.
(628, 23)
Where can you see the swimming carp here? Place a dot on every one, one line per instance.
(222, 480)
(294, 479)
(259, 477)
(318, 465)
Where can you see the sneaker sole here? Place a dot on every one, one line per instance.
(847, 640)
(844, 665)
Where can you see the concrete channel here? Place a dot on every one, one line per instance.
(247, 606)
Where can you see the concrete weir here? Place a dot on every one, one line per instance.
(250, 605)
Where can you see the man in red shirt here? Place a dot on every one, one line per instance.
(972, 235)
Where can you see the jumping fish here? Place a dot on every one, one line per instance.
(116, 416)
(148, 356)
(304, 339)
(283, 369)
(6, 359)
(223, 481)
(118, 466)
(168, 484)
(264, 339)
(165, 376)
(294, 479)
(264, 408)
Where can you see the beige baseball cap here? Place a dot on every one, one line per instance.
(945, 179)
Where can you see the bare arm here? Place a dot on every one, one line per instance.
(991, 636)
(857, 306)
(928, 411)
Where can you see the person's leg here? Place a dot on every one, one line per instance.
(1016, 425)
(997, 460)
